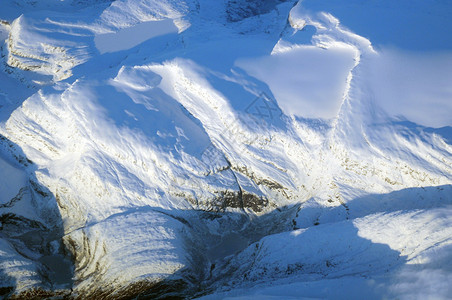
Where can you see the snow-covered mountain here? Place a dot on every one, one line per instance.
(225, 149)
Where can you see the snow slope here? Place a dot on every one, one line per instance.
(145, 142)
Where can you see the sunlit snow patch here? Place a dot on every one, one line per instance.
(307, 81)
(132, 36)
(410, 76)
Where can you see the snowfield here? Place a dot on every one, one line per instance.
(225, 149)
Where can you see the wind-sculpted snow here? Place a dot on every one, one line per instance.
(54, 45)
(232, 149)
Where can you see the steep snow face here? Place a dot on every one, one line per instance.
(314, 262)
(123, 13)
(414, 86)
(269, 130)
(409, 76)
(132, 36)
(423, 25)
(29, 49)
(317, 91)
(54, 45)
(139, 247)
(9, 187)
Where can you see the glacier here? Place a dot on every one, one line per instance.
(227, 149)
